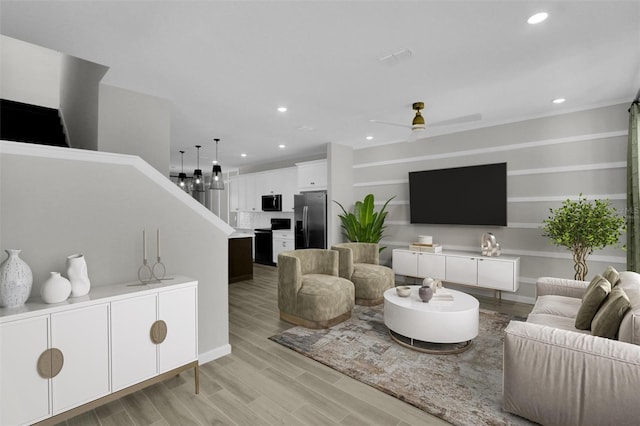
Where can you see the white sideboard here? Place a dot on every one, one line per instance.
(59, 360)
(497, 273)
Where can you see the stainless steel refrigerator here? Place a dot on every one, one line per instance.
(310, 215)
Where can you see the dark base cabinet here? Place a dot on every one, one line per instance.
(240, 259)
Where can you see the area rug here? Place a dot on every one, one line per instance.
(462, 389)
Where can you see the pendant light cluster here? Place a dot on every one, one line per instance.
(198, 182)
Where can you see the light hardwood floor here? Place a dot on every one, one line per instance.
(263, 383)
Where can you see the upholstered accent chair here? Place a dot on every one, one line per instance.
(359, 263)
(310, 291)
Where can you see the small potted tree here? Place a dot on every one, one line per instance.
(364, 225)
(582, 227)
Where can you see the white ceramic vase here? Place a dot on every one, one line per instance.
(15, 280)
(77, 273)
(55, 289)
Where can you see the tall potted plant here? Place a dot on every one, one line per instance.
(364, 225)
(582, 226)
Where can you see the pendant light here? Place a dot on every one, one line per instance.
(217, 182)
(198, 179)
(182, 176)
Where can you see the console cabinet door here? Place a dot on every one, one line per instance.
(24, 394)
(497, 274)
(82, 335)
(431, 265)
(178, 309)
(462, 270)
(405, 263)
(133, 354)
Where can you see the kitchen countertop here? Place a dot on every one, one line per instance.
(240, 235)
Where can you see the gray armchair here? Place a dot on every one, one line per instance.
(359, 263)
(310, 292)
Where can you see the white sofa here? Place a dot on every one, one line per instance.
(555, 374)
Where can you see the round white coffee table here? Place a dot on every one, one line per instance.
(434, 327)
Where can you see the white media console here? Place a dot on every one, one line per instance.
(496, 273)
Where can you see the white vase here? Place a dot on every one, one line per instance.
(55, 289)
(15, 280)
(77, 273)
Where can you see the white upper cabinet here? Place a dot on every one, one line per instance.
(246, 191)
(312, 175)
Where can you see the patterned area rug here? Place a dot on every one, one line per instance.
(462, 389)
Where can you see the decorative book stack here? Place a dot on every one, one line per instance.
(442, 295)
(431, 248)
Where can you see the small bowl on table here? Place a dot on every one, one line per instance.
(403, 290)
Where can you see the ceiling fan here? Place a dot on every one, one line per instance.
(418, 124)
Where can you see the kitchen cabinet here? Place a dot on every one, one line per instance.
(498, 273)
(240, 258)
(282, 241)
(246, 191)
(59, 360)
(312, 175)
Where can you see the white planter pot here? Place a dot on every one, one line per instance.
(77, 273)
(15, 280)
(55, 289)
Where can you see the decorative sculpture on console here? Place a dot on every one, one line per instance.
(489, 245)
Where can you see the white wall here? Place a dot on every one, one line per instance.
(79, 92)
(77, 201)
(339, 188)
(134, 123)
(29, 73)
(548, 160)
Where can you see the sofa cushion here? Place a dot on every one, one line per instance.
(607, 321)
(597, 292)
(562, 306)
(630, 326)
(611, 275)
(555, 321)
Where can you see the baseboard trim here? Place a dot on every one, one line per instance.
(214, 354)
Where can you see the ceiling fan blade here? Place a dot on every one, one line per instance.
(390, 123)
(457, 120)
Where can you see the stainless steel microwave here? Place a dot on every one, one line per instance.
(272, 203)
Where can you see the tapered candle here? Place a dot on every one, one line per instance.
(144, 245)
(158, 239)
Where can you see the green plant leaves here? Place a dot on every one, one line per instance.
(364, 225)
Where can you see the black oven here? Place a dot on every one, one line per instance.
(272, 203)
(264, 240)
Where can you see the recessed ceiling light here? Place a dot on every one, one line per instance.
(214, 162)
(282, 109)
(537, 18)
(369, 138)
(558, 100)
(243, 155)
(282, 146)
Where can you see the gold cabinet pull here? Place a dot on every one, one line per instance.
(50, 363)
(158, 332)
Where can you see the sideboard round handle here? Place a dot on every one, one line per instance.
(50, 363)
(158, 332)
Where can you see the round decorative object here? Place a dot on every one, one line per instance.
(158, 332)
(427, 282)
(403, 291)
(15, 280)
(425, 293)
(55, 289)
(77, 273)
(50, 363)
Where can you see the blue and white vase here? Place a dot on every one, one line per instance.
(15, 280)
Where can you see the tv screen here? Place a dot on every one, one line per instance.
(472, 195)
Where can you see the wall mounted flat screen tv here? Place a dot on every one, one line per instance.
(472, 195)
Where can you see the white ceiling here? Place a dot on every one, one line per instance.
(227, 65)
